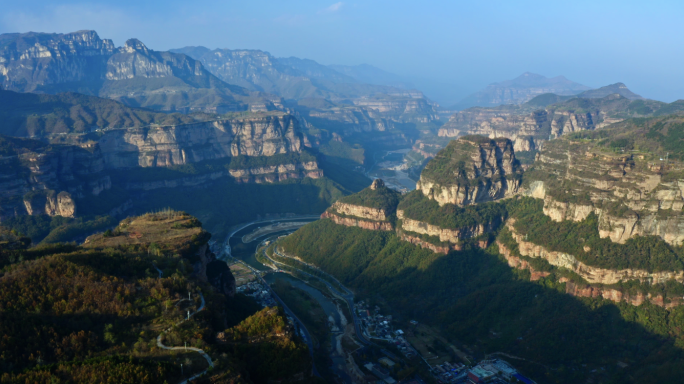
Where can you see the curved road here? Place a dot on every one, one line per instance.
(348, 296)
(201, 352)
(307, 335)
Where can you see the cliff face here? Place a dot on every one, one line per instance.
(189, 143)
(36, 60)
(589, 273)
(585, 290)
(39, 179)
(471, 170)
(133, 74)
(401, 109)
(373, 208)
(450, 235)
(356, 222)
(531, 124)
(528, 131)
(633, 194)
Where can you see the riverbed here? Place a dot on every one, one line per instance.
(392, 167)
(256, 234)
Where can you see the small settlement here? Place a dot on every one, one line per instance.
(376, 326)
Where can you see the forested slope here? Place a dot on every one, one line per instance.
(476, 299)
(92, 313)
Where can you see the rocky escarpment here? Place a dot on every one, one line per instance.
(155, 146)
(634, 194)
(39, 179)
(373, 208)
(356, 222)
(137, 76)
(401, 109)
(447, 235)
(470, 170)
(532, 124)
(586, 290)
(48, 202)
(528, 130)
(589, 273)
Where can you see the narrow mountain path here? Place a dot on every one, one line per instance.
(201, 352)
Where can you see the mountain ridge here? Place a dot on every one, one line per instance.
(138, 76)
(519, 90)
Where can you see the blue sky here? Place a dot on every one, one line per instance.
(451, 48)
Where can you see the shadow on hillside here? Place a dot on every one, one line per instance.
(478, 300)
(26, 336)
(225, 203)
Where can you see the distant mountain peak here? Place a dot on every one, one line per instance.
(617, 88)
(193, 51)
(520, 90)
(133, 45)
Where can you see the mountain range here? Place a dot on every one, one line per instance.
(519, 90)
(547, 116)
(293, 78)
(138, 76)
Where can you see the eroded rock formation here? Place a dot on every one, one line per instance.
(589, 273)
(471, 170)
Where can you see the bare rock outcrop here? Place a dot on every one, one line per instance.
(373, 208)
(356, 222)
(163, 146)
(472, 169)
(50, 203)
(586, 290)
(589, 273)
(37, 179)
(450, 235)
(633, 195)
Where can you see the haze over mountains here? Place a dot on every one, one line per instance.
(546, 222)
(293, 78)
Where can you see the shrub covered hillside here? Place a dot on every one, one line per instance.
(93, 313)
(376, 196)
(479, 302)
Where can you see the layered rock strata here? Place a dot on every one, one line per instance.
(454, 236)
(358, 216)
(356, 222)
(632, 195)
(134, 74)
(163, 146)
(471, 170)
(371, 208)
(589, 273)
(47, 180)
(584, 290)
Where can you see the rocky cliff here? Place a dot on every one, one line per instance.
(531, 124)
(470, 170)
(447, 235)
(137, 76)
(586, 290)
(36, 178)
(634, 193)
(373, 208)
(260, 135)
(589, 273)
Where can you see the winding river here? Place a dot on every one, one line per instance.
(247, 253)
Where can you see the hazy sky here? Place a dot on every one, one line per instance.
(460, 46)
